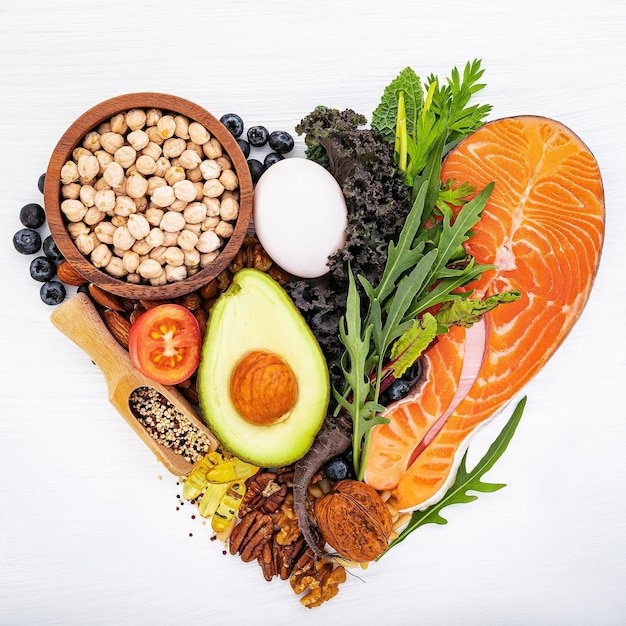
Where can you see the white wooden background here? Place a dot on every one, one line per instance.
(89, 531)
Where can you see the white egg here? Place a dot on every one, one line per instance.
(300, 216)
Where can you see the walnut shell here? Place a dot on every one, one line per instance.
(354, 520)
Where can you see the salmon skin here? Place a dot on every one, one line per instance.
(543, 228)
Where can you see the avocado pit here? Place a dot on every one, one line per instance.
(263, 388)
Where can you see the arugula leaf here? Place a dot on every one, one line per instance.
(356, 365)
(466, 481)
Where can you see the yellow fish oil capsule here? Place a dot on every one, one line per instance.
(197, 479)
(229, 506)
(211, 498)
(230, 471)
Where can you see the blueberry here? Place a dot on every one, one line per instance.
(32, 215)
(271, 158)
(400, 387)
(27, 241)
(51, 250)
(42, 269)
(41, 182)
(256, 169)
(258, 136)
(281, 141)
(336, 469)
(52, 292)
(233, 123)
(245, 147)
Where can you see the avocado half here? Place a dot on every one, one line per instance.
(256, 315)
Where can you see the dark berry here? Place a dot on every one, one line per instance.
(233, 123)
(336, 469)
(51, 250)
(41, 182)
(281, 141)
(245, 147)
(42, 269)
(27, 241)
(413, 373)
(258, 136)
(256, 169)
(32, 215)
(52, 292)
(271, 158)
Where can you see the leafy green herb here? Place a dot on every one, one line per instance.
(419, 261)
(443, 110)
(466, 481)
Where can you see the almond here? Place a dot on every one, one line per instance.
(68, 275)
(118, 326)
(106, 299)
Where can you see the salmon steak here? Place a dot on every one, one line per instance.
(543, 229)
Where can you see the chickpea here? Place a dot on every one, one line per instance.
(187, 240)
(118, 124)
(155, 237)
(175, 273)
(229, 209)
(154, 215)
(172, 222)
(153, 116)
(146, 165)
(74, 210)
(136, 185)
(213, 188)
(189, 160)
(92, 141)
(149, 269)
(104, 231)
(208, 241)
(111, 142)
(142, 247)
(85, 243)
(138, 226)
(87, 195)
(77, 228)
(173, 147)
(101, 255)
(124, 206)
(162, 165)
(104, 158)
(125, 156)
(174, 174)
(153, 150)
(182, 126)
(113, 174)
(69, 173)
(224, 230)
(138, 139)
(166, 126)
(198, 133)
(136, 119)
(195, 213)
(212, 148)
(155, 182)
(207, 258)
(184, 190)
(130, 261)
(123, 239)
(210, 169)
(174, 256)
(71, 191)
(88, 167)
(116, 268)
(163, 196)
(93, 216)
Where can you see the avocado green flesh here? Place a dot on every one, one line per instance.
(255, 313)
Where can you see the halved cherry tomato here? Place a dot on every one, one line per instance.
(165, 344)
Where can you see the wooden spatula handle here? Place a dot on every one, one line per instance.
(78, 319)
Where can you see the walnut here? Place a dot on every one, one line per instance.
(354, 520)
(320, 582)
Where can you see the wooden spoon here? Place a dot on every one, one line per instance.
(78, 319)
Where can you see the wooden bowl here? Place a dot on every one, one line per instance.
(74, 136)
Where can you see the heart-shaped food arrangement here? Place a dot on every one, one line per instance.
(397, 288)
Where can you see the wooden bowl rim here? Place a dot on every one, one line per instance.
(74, 135)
